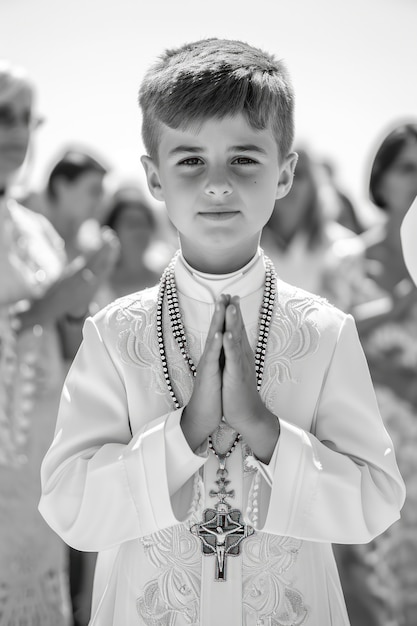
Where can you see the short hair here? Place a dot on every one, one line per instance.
(70, 166)
(387, 153)
(215, 78)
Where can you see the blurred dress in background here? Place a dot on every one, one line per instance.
(33, 563)
(383, 574)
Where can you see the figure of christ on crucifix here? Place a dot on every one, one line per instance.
(221, 533)
(221, 530)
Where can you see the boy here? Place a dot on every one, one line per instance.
(223, 414)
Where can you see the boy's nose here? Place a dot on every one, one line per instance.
(218, 185)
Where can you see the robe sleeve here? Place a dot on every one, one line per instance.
(340, 484)
(101, 486)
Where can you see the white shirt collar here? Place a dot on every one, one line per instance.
(208, 287)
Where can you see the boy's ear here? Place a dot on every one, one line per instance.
(152, 177)
(286, 175)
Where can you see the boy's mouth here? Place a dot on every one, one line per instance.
(219, 215)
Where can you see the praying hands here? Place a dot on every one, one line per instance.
(226, 384)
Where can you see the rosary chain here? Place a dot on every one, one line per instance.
(168, 288)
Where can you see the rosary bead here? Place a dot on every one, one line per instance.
(168, 290)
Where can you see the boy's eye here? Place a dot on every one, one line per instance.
(191, 161)
(244, 161)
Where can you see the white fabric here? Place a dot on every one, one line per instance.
(31, 250)
(33, 560)
(119, 477)
(409, 240)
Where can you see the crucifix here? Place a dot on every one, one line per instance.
(221, 533)
(221, 530)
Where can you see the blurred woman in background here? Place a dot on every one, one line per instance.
(383, 574)
(142, 252)
(309, 247)
(73, 196)
(133, 220)
(37, 289)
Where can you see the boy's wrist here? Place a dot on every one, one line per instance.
(262, 434)
(195, 431)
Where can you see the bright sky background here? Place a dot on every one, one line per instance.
(353, 63)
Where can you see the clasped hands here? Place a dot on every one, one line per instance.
(226, 384)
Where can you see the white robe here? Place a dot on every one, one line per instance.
(120, 478)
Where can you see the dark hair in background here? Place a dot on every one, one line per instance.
(71, 165)
(123, 198)
(386, 155)
(311, 221)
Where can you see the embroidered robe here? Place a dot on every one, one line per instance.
(120, 478)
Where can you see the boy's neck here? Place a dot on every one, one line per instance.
(220, 261)
(219, 264)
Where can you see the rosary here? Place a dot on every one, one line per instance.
(222, 529)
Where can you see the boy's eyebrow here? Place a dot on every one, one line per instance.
(194, 149)
(247, 148)
(185, 148)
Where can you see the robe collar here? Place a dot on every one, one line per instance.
(208, 287)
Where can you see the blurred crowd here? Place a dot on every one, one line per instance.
(72, 247)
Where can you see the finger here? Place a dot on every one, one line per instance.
(236, 326)
(234, 320)
(235, 301)
(210, 359)
(234, 368)
(214, 341)
(217, 321)
(245, 338)
(233, 313)
(232, 348)
(232, 337)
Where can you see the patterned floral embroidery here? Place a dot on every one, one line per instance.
(138, 343)
(176, 553)
(268, 592)
(293, 337)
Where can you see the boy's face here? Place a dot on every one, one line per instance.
(219, 181)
